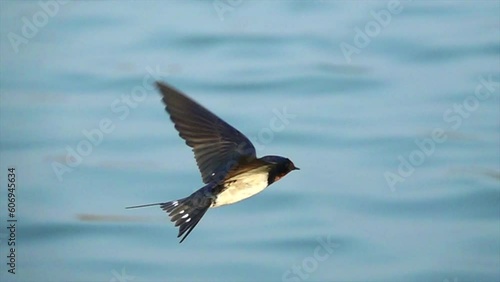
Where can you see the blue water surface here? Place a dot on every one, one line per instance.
(390, 108)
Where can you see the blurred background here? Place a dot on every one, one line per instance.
(390, 109)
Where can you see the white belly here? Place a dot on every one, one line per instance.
(242, 186)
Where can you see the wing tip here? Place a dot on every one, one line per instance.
(159, 84)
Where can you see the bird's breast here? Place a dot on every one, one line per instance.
(242, 186)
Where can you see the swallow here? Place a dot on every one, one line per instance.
(225, 157)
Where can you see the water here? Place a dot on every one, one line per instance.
(354, 120)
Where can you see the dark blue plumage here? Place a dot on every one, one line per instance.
(225, 157)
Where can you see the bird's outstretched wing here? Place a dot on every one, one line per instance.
(217, 146)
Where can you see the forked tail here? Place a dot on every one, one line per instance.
(186, 212)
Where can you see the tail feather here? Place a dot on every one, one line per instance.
(143, 206)
(187, 212)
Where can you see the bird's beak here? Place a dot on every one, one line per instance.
(296, 168)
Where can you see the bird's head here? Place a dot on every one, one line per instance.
(282, 166)
(291, 166)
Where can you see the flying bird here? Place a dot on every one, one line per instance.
(225, 157)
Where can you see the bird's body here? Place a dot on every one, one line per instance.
(226, 159)
(242, 186)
